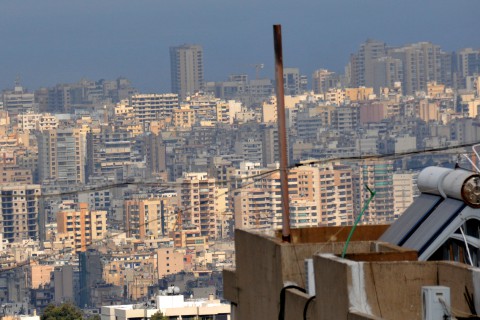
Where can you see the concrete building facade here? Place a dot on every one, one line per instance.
(61, 155)
(186, 64)
(78, 227)
(151, 107)
(19, 212)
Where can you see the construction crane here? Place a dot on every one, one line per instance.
(258, 67)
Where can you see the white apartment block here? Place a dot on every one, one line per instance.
(37, 121)
(404, 191)
(172, 307)
(151, 107)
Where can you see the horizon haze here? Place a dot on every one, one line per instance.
(52, 41)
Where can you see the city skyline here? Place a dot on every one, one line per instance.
(86, 41)
(144, 164)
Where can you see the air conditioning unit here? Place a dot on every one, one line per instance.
(436, 303)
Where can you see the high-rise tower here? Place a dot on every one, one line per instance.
(186, 64)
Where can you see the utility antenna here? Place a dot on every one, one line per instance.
(282, 132)
(258, 67)
(472, 162)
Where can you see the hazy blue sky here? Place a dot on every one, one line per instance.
(51, 41)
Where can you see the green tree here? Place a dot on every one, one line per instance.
(65, 311)
(158, 316)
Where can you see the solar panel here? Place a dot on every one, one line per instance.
(434, 224)
(409, 221)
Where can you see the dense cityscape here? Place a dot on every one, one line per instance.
(109, 195)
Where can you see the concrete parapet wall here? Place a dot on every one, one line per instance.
(394, 288)
(230, 285)
(459, 283)
(259, 276)
(387, 290)
(380, 281)
(295, 304)
(331, 288)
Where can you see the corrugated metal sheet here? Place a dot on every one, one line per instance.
(426, 233)
(409, 221)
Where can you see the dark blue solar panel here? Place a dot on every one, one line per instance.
(443, 214)
(409, 221)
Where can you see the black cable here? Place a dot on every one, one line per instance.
(259, 175)
(46, 257)
(305, 309)
(281, 314)
(299, 164)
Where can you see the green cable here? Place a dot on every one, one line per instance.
(372, 194)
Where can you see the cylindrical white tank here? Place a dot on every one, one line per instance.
(457, 184)
(454, 183)
(430, 180)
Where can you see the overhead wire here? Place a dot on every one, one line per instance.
(299, 164)
(252, 179)
(49, 256)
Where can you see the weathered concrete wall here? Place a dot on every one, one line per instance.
(331, 286)
(386, 290)
(386, 285)
(335, 234)
(394, 288)
(263, 266)
(259, 276)
(230, 285)
(295, 302)
(451, 275)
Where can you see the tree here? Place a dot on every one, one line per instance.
(65, 311)
(158, 316)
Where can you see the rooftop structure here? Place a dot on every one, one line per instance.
(173, 306)
(386, 272)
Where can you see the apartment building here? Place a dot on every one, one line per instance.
(323, 80)
(61, 155)
(186, 65)
(18, 100)
(183, 117)
(37, 121)
(19, 212)
(404, 191)
(109, 150)
(377, 175)
(151, 107)
(78, 227)
(421, 63)
(144, 218)
(202, 201)
(336, 195)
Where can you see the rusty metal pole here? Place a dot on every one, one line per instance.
(282, 131)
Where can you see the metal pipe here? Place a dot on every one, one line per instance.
(282, 132)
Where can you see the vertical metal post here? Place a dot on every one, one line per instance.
(282, 132)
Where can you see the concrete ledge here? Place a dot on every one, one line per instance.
(362, 316)
(335, 234)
